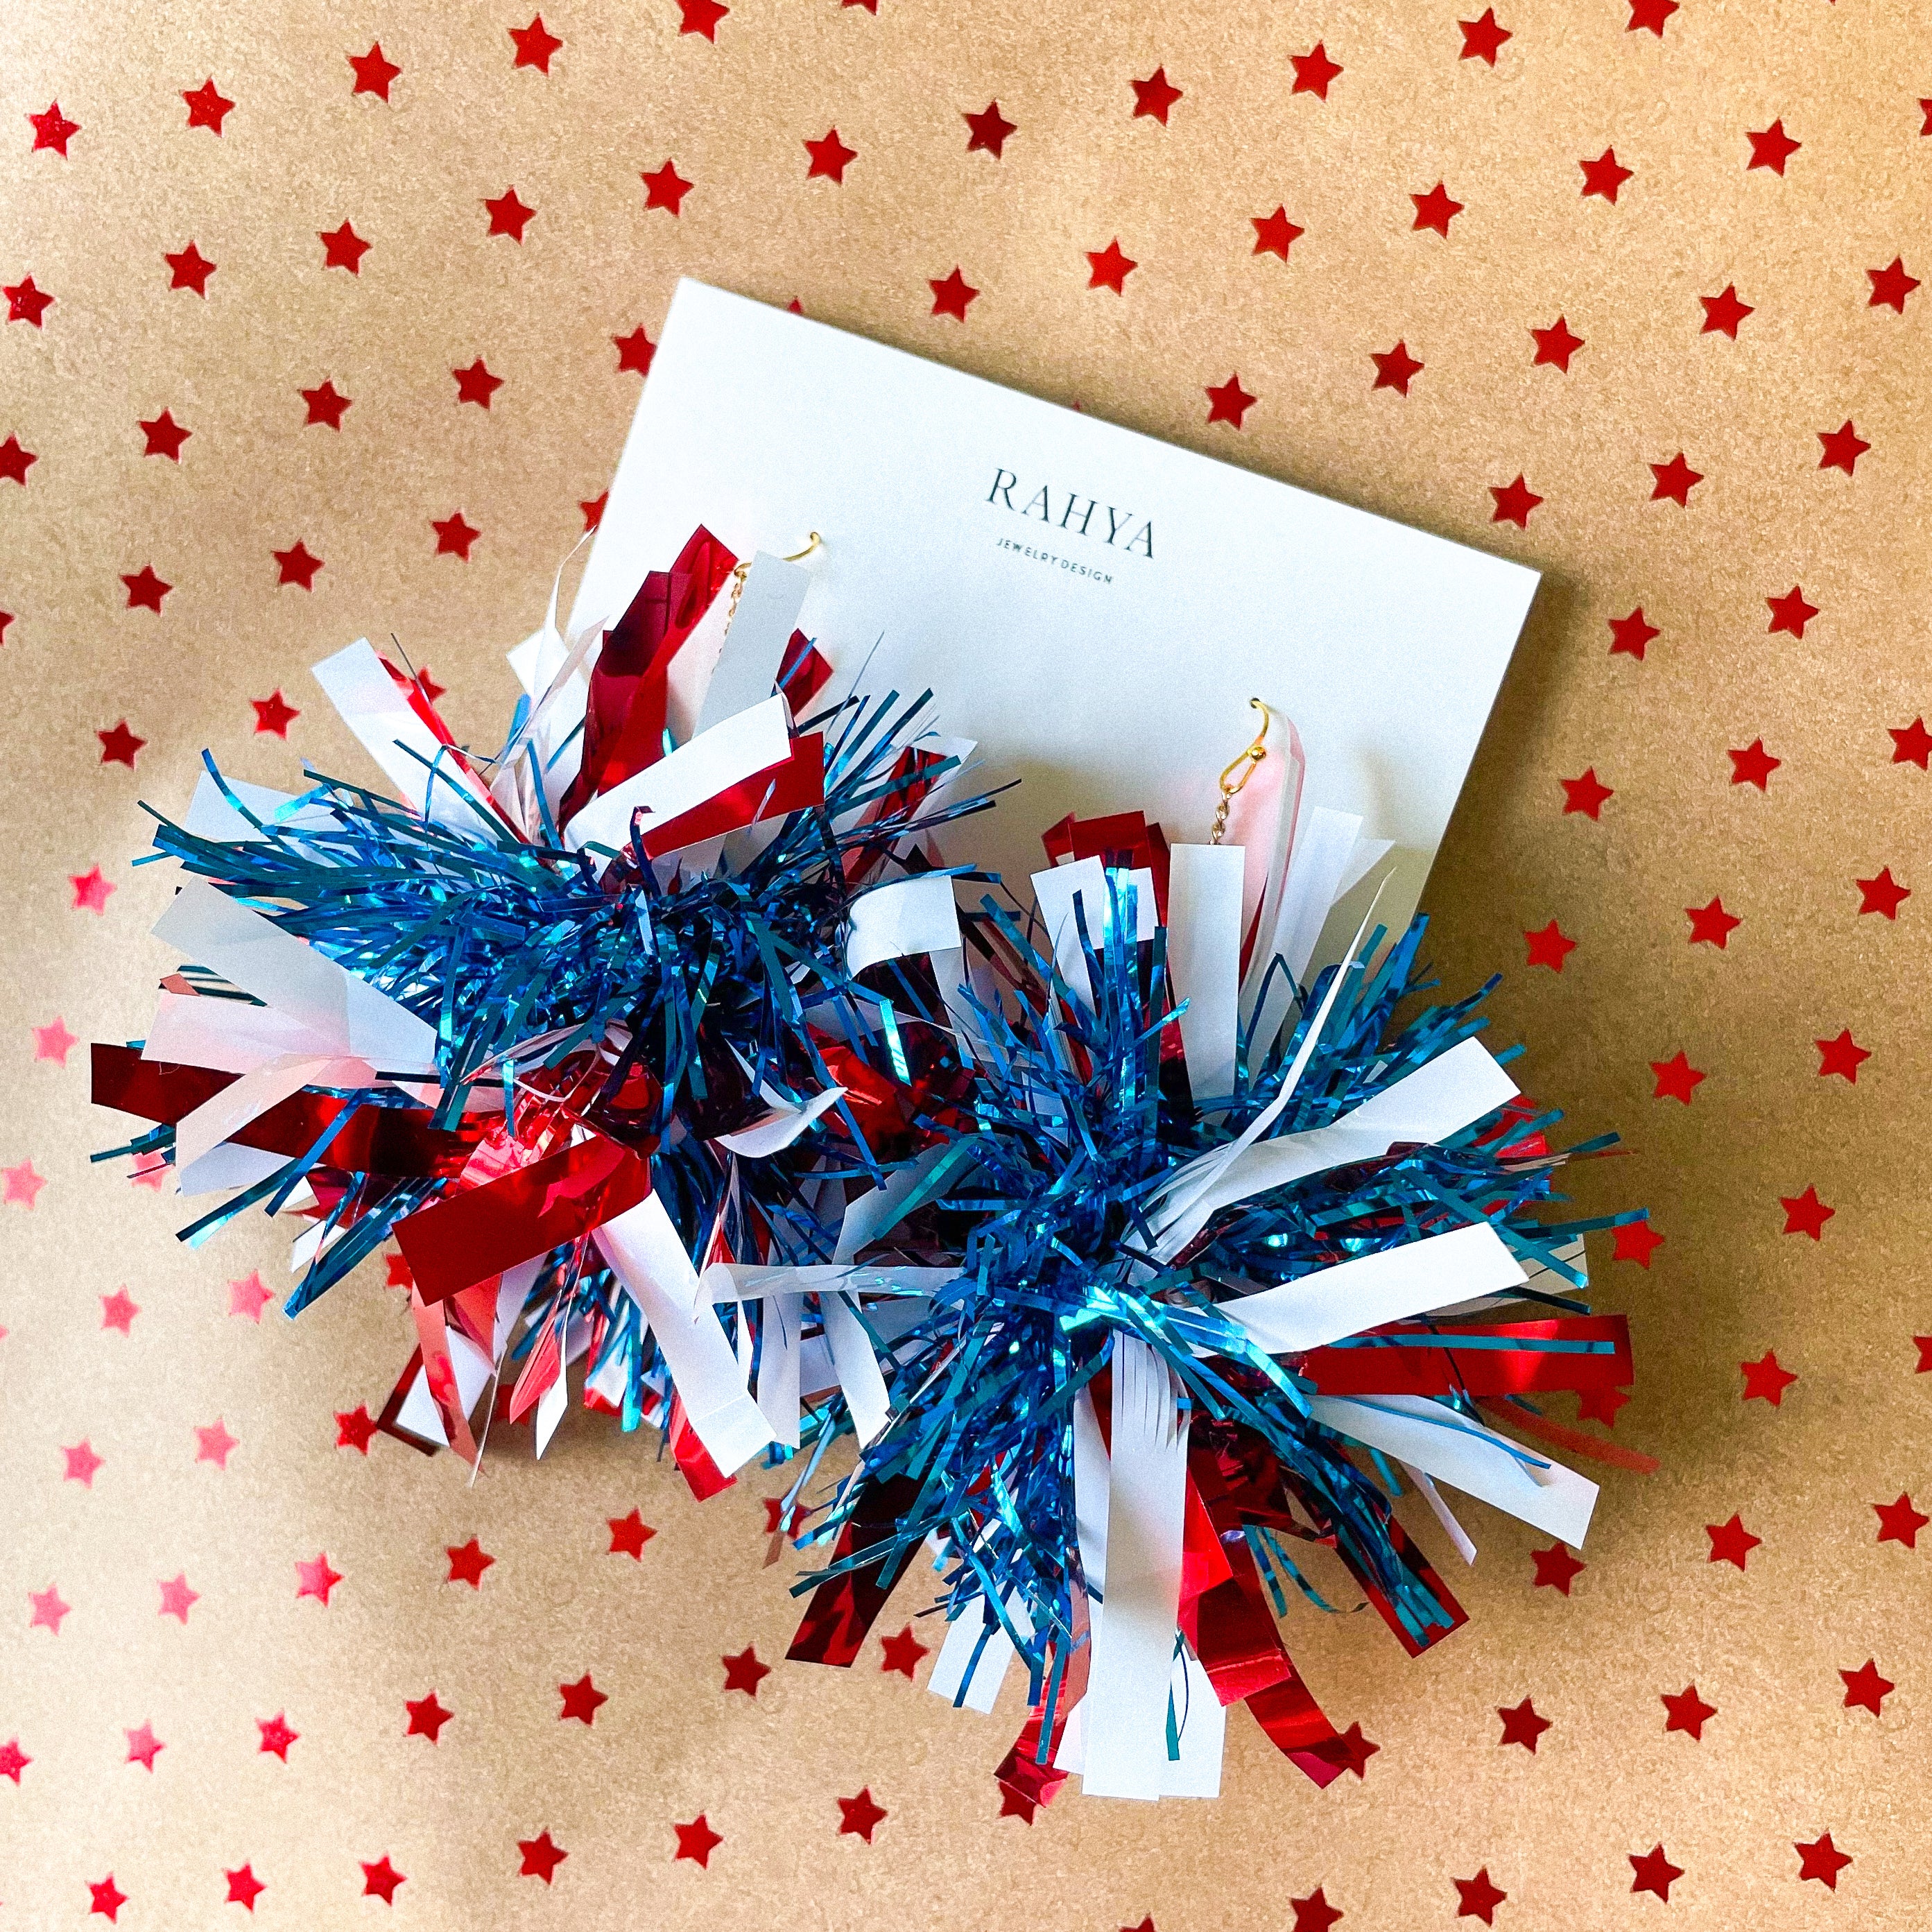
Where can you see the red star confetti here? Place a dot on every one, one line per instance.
(165, 437)
(988, 131)
(1154, 96)
(1556, 1568)
(1711, 924)
(1395, 369)
(53, 129)
(1521, 1724)
(243, 1887)
(1821, 1860)
(1771, 148)
(534, 45)
(580, 1700)
(1790, 613)
(49, 1609)
(1899, 1522)
(1842, 448)
(248, 1297)
(1730, 1542)
(1555, 345)
(453, 536)
(541, 1856)
(1865, 1689)
(1654, 1872)
(374, 71)
(665, 188)
(1883, 895)
(1314, 1913)
(1650, 14)
(295, 566)
(53, 1042)
(901, 1653)
(177, 1599)
(355, 1428)
(15, 461)
(206, 106)
(1275, 234)
(1766, 1379)
(1600, 1405)
(426, 1717)
(1805, 1214)
(274, 714)
(1674, 481)
(953, 296)
(634, 352)
(213, 1443)
(1724, 312)
(25, 302)
(1514, 503)
(314, 1578)
(1843, 1056)
(744, 1671)
(830, 158)
(476, 384)
(701, 17)
(1586, 794)
(1688, 1712)
(108, 1898)
(1605, 175)
(1108, 267)
(860, 1816)
(82, 1463)
(118, 1311)
(342, 248)
(1753, 765)
(190, 269)
(1483, 40)
(1478, 1897)
(508, 215)
(118, 745)
(12, 1760)
(1228, 402)
(1677, 1079)
(629, 1535)
(90, 892)
(1632, 636)
(143, 1746)
(697, 1841)
(379, 1880)
(1549, 946)
(277, 1735)
(1891, 285)
(1314, 72)
(467, 1563)
(1436, 210)
(326, 405)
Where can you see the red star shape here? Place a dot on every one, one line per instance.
(206, 108)
(534, 45)
(190, 269)
(355, 1428)
(1314, 1913)
(1108, 267)
(1753, 765)
(118, 745)
(1600, 1405)
(1482, 40)
(25, 303)
(314, 1578)
(278, 1734)
(1521, 1724)
(629, 1535)
(1313, 72)
(1605, 175)
(476, 384)
(1883, 894)
(1632, 635)
(108, 1899)
(6, 618)
(430, 689)
(1012, 1805)
(426, 1717)
(952, 296)
(1478, 1897)
(1549, 946)
(214, 1444)
(580, 1700)
(1897, 1522)
(467, 1563)
(745, 1672)
(830, 158)
(117, 1310)
(374, 71)
(52, 129)
(243, 1887)
(901, 1653)
(248, 1297)
(53, 1042)
(1395, 369)
(697, 1841)
(1723, 313)
(1674, 480)
(326, 405)
(1555, 345)
(508, 214)
(1771, 148)
(165, 437)
(1585, 794)
(1821, 1860)
(1514, 501)
(1711, 925)
(1651, 13)
(1228, 402)
(12, 1760)
(634, 352)
(1154, 95)
(861, 1816)
(701, 17)
(16, 461)
(1677, 1079)
(1436, 210)
(143, 1746)
(379, 1880)
(1688, 1712)
(82, 1463)
(343, 248)
(541, 1857)
(990, 128)
(1275, 234)
(177, 1599)
(1891, 285)
(1866, 1689)
(1842, 448)
(1790, 613)
(1766, 1379)
(592, 508)
(666, 189)
(1805, 1214)
(1654, 1872)
(90, 895)
(1556, 1569)
(274, 714)
(145, 589)
(454, 536)
(49, 1609)
(1842, 1056)
(295, 566)
(1730, 1542)
(1354, 1750)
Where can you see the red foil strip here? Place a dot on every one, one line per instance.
(693, 1459)
(1427, 1368)
(844, 1609)
(466, 1238)
(803, 673)
(1021, 1773)
(1419, 1567)
(1122, 839)
(1295, 1726)
(794, 786)
(1234, 1634)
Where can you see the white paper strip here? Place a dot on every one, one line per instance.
(1054, 891)
(646, 1255)
(1368, 854)
(230, 1165)
(956, 1656)
(250, 951)
(211, 816)
(1314, 1309)
(916, 915)
(1322, 846)
(779, 1367)
(200, 1132)
(747, 667)
(775, 1130)
(1432, 1496)
(1203, 957)
(419, 1414)
(1133, 1643)
(858, 1367)
(231, 1035)
(1467, 1456)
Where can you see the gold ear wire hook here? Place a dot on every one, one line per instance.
(1237, 772)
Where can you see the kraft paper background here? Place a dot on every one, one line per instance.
(1783, 1760)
